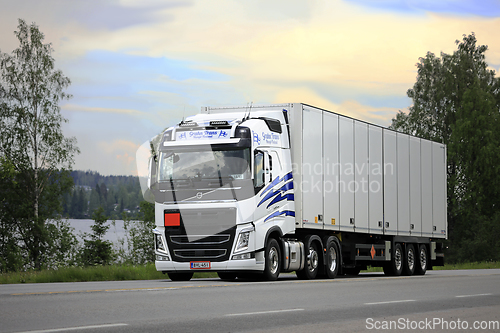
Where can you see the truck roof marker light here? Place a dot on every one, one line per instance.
(172, 220)
(219, 123)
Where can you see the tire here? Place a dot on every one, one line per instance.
(395, 266)
(180, 276)
(227, 276)
(312, 263)
(409, 260)
(272, 260)
(422, 260)
(332, 260)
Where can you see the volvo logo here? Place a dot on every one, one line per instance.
(199, 195)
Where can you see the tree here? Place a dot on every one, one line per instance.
(97, 251)
(11, 255)
(32, 140)
(140, 241)
(456, 101)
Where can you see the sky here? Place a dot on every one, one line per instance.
(140, 66)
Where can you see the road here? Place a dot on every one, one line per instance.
(439, 301)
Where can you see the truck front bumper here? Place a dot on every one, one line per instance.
(230, 265)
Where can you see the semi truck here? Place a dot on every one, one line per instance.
(279, 188)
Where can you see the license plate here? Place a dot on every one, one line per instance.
(200, 264)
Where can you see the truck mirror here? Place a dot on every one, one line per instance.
(152, 172)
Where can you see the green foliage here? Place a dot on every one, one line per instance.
(456, 101)
(116, 194)
(82, 274)
(97, 251)
(32, 147)
(64, 246)
(139, 237)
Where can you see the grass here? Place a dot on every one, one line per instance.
(148, 272)
(470, 265)
(96, 273)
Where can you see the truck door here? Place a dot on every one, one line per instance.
(263, 172)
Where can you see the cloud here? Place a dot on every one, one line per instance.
(378, 115)
(488, 8)
(126, 159)
(338, 43)
(118, 146)
(81, 108)
(134, 75)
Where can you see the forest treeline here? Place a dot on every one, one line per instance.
(117, 195)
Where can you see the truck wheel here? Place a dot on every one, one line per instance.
(332, 260)
(227, 276)
(272, 260)
(180, 276)
(395, 266)
(421, 265)
(409, 260)
(312, 262)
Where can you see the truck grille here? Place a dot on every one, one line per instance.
(196, 254)
(203, 239)
(202, 246)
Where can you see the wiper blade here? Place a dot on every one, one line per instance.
(218, 178)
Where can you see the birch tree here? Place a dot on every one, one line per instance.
(32, 141)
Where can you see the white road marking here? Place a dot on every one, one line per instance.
(474, 295)
(263, 312)
(77, 328)
(389, 302)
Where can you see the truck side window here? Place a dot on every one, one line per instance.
(258, 170)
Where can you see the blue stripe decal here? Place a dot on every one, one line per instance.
(284, 188)
(285, 212)
(279, 198)
(270, 186)
(286, 177)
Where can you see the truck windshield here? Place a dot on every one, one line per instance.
(199, 165)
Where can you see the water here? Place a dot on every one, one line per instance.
(113, 234)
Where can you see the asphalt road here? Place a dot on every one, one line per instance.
(440, 301)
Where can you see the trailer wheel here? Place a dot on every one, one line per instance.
(227, 276)
(312, 263)
(272, 260)
(421, 265)
(395, 266)
(180, 276)
(409, 260)
(332, 260)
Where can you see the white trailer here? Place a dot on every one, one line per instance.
(292, 187)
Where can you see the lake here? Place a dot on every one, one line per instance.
(113, 234)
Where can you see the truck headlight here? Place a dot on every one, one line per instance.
(159, 243)
(242, 243)
(243, 240)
